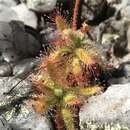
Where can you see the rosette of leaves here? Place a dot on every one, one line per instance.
(64, 78)
(65, 100)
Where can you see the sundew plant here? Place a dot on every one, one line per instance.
(68, 75)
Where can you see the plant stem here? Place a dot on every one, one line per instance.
(75, 14)
(59, 121)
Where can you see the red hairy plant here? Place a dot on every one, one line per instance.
(66, 77)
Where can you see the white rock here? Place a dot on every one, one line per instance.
(41, 5)
(6, 3)
(111, 106)
(26, 118)
(25, 15)
(3, 124)
(111, 1)
(107, 38)
(7, 14)
(19, 12)
(31, 122)
(122, 4)
(128, 37)
(125, 12)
